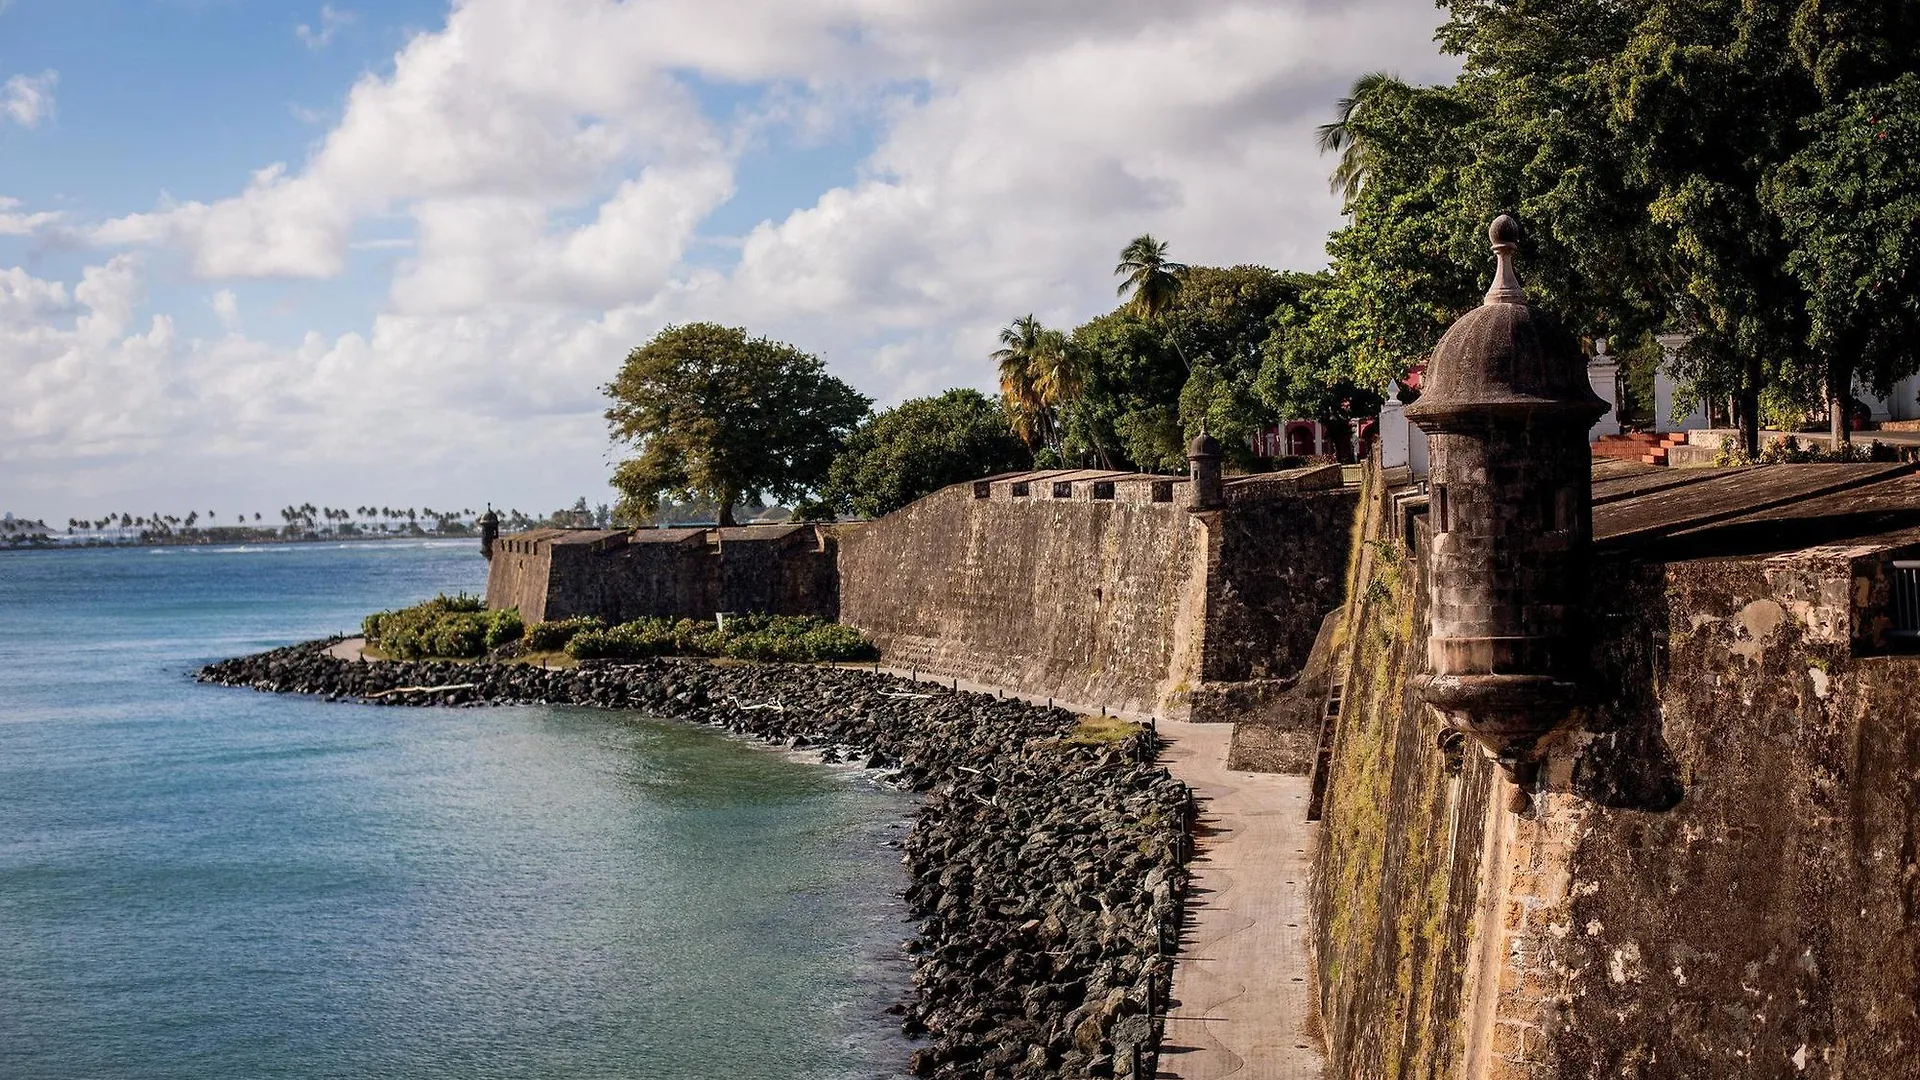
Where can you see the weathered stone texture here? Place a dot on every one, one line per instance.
(681, 573)
(1280, 566)
(1395, 886)
(1720, 878)
(1128, 600)
(1766, 924)
(1068, 597)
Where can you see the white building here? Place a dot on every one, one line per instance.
(1902, 404)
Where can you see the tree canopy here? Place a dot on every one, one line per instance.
(919, 447)
(1184, 349)
(721, 416)
(1849, 202)
(1666, 159)
(1746, 174)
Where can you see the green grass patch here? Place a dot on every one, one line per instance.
(550, 658)
(1101, 731)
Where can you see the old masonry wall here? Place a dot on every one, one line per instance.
(1721, 876)
(1097, 591)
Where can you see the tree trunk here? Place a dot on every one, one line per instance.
(726, 515)
(1840, 406)
(1748, 420)
(1750, 410)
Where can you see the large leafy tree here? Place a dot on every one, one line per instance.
(1634, 139)
(919, 447)
(1401, 270)
(718, 415)
(1140, 402)
(1126, 414)
(1849, 202)
(1224, 317)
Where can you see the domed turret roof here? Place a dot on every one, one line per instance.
(1203, 446)
(1505, 357)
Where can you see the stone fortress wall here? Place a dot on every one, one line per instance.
(1104, 588)
(1720, 874)
(623, 574)
(1099, 587)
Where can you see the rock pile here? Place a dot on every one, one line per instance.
(1046, 873)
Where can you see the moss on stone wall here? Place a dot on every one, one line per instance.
(1396, 879)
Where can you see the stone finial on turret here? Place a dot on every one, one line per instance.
(1203, 465)
(489, 532)
(1504, 234)
(1506, 406)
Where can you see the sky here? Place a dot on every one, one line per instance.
(262, 252)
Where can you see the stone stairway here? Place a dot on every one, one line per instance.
(1643, 446)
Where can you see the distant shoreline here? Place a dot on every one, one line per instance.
(226, 541)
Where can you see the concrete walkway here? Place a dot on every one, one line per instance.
(347, 649)
(1241, 986)
(1242, 997)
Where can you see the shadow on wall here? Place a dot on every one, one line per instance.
(1622, 759)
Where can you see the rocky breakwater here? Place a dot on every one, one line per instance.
(1045, 864)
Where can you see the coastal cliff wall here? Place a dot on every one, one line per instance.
(1102, 588)
(1720, 875)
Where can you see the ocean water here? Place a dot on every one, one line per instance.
(207, 883)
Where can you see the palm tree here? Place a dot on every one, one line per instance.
(1340, 137)
(1040, 375)
(1021, 344)
(1154, 280)
(1057, 373)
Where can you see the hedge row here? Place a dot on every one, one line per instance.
(791, 638)
(548, 636)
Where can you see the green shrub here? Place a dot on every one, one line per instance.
(454, 627)
(790, 638)
(548, 636)
(628, 641)
(504, 626)
(457, 635)
(1788, 450)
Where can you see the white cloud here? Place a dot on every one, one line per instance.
(15, 222)
(331, 20)
(28, 99)
(226, 307)
(544, 169)
(111, 404)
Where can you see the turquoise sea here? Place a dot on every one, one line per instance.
(206, 883)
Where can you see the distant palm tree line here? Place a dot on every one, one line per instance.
(296, 522)
(307, 521)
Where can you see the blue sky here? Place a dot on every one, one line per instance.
(260, 252)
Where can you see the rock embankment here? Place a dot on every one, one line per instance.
(1046, 875)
